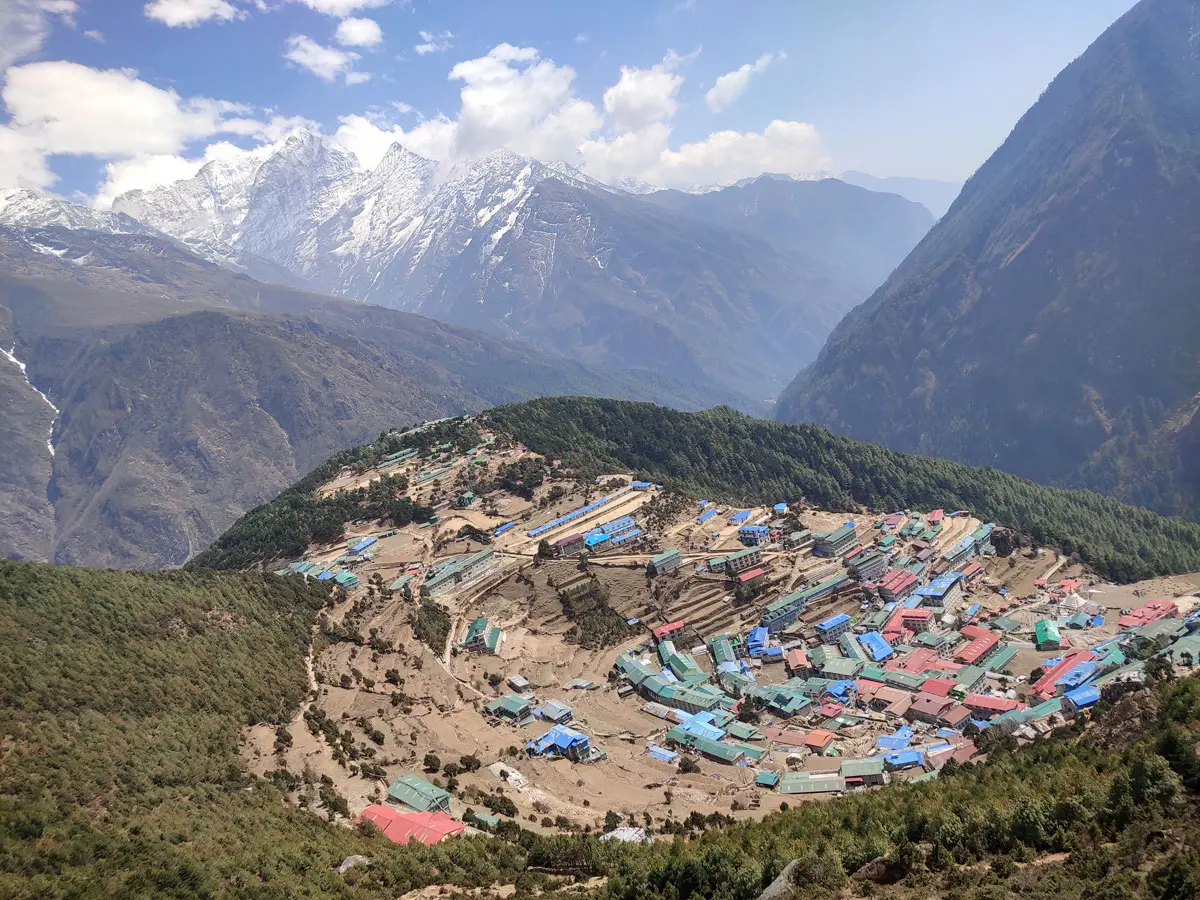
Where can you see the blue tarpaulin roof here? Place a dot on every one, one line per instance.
(559, 738)
(363, 544)
(905, 759)
(1084, 696)
(833, 622)
(662, 754)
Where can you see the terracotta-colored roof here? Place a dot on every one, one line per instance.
(402, 827)
(818, 738)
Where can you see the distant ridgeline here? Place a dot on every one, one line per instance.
(725, 454)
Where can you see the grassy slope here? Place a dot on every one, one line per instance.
(737, 458)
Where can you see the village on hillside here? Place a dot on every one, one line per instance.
(608, 654)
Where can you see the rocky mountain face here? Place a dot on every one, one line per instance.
(1049, 324)
(151, 397)
(518, 248)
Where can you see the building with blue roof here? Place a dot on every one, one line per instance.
(1083, 697)
(876, 646)
(753, 535)
(833, 628)
(561, 742)
(739, 517)
(1077, 676)
(904, 759)
(362, 545)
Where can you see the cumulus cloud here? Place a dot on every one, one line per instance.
(327, 63)
(513, 98)
(644, 96)
(509, 98)
(70, 109)
(25, 25)
(93, 35)
(433, 43)
(369, 139)
(359, 33)
(342, 8)
(733, 84)
(189, 13)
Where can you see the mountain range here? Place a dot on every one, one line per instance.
(726, 294)
(151, 396)
(1049, 324)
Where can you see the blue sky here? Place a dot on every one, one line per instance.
(924, 88)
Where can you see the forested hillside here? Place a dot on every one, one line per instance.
(724, 454)
(122, 696)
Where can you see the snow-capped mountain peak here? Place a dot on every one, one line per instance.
(25, 208)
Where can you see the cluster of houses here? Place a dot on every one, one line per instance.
(920, 655)
(560, 741)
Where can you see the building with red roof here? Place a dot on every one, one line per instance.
(1045, 687)
(751, 575)
(936, 516)
(797, 663)
(818, 740)
(940, 687)
(929, 707)
(897, 584)
(663, 631)
(401, 827)
(986, 705)
(1151, 612)
(980, 642)
(955, 717)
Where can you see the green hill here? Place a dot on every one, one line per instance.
(727, 455)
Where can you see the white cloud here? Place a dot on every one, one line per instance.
(66, 107)
(433, 43)
(358, 77)
(189, 13)
(403, 108)
(25, 25)
(370, 140)
(644, 96)
(359, 33)
(327, 63)
(22, 164)
(733, 84)
(343, 8)
(512, 98)
(94, 35)
(582, 38)
(787, 148)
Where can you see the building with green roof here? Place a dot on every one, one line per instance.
(720, 648)
(869, 771)
(1000, 658)
(1045, 634)
(451, 572)
(417, 793)
(840, 668)
(510, 708)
